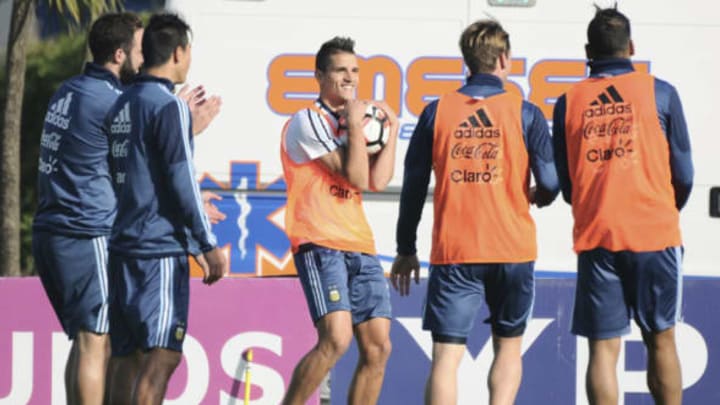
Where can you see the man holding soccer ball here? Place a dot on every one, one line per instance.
(333, 246)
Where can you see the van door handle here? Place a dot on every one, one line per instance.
(715, 202)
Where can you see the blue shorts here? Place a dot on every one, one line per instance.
(335, 280)
(612, 287)
(148, 303)
(455, 293)
(74, 274)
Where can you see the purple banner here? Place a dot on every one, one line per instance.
(268, 315)
(554, 360)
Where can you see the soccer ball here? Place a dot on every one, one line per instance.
(376, 127)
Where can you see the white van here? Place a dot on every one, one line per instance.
(259, 54)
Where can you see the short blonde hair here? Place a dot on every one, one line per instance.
(482, 43)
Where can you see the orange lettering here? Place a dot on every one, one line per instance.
(292, 85)
(422, 86)
(391, 73)
(288, 74)
(549, 80)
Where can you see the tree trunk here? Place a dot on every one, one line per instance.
(10, 140)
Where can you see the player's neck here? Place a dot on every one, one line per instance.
(334, 105)
(114, 68)
(164, 72)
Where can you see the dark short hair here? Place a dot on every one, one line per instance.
(481, 45)
(332, 47)
(111, 32)
(608, 33)
(163, 34)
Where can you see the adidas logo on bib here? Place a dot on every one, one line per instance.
(477, 125)
(608, 102)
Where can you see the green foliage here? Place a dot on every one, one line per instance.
(76, 8)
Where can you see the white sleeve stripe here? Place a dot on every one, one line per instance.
(317, 135)
(185, 121)
(324, 125)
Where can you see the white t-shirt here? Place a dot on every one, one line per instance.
(309, 135)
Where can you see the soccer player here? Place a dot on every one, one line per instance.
(482, 142)
(623, 158)
(333, 246)
(160, 218)
(76, 205)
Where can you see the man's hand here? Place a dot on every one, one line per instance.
(191, 96)
(204, 113)
(213, 265)
(392, 117)
(354, 111)
(212, 211)
(203, 109)
(402, 267)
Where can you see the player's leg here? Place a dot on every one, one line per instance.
(92, 353)
(373, 338)
(157, 367)
(371, 312)
(601, 377)
(124, 365)
(323, 276)
(454, 295)
(656, 294)
(112, 368)
(122, 374)
(46, 262)
(71, 375)
(602, 315)
(74, 274)
(441, 386)
(510, 293)
(162, 300)
(663, 375)
(506, 370)
(92, 341)
(334, 337)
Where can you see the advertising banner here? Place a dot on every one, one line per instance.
(266, 315)
(554, 360)
(270, 316)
